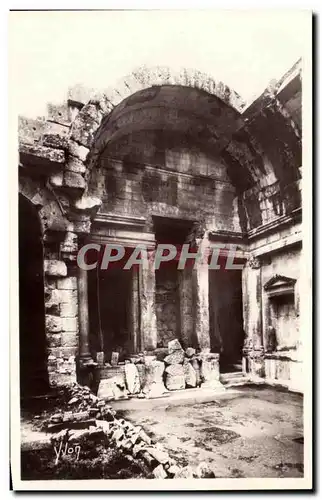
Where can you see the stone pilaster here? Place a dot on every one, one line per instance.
(200, 283)
(186, 306)
(61, 318)
(252, 310)
(148, 320)
(83, 318)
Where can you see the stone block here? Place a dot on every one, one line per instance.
(74, 180)
(30, 130)
(189, 374)
(75, 165)
(67, 295)
(175, 378)
(174, 345)
(54, 339)
(113, 388)
(55, 141)
(67, 352)
(83, 130)
(55, 268)
(68, 309)
(69, 324)
(190, 351)
(154, 386)
(41, 155)
(159, 472)
(159, 455)
(175, 358)
(53, 323)
(58, 113)
(77, 150)
(132, 378)
(69, 339)
(67, 283)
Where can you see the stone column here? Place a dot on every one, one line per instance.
(82, 285)
(200, 281)
(148, 320)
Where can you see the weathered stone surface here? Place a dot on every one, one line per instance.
(69, 283)
(174, 369)
(77, 150)
(58, 113)
(69, 339)
(53, 323)
(160, 455)
(210, 371)
(83, 129)
(54, 339)
(159, 472)
(175, 358)
(190, 351)
(196, 366)
(55, 268)
(68, 309)
(36, 153)
(69, 324)
(74, 180)
(173, 470)
(203, 471)
(185, 473)
(189, 374)
(55, 141)
(132, 378)
(114, 358)
(53, 128)
(154, 386)
(174, 345)
(30, 130)
(75, 165)
(175, 379)
(113, 388)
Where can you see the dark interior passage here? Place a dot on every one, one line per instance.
(110, 303)
(226, 317)
(33, 356)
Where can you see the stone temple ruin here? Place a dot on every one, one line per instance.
(171, 158)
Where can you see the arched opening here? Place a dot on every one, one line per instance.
(160, 172)
(33, 369)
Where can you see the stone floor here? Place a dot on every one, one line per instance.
(252, 431)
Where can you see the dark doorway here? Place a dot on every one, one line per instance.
(226, 317)
(110, 296)
(175, 232)
(33, 356)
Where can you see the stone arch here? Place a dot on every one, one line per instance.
(251, 156)
(51, 213)
(83, 144)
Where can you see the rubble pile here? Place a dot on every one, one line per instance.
(88, 418)
(153, 374)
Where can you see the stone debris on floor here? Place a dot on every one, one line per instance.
(153, 375)
(85, 416)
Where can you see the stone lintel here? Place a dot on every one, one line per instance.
(45, 160)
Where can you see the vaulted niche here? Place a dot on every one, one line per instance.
(282, 317)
